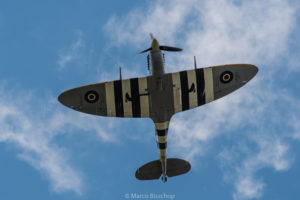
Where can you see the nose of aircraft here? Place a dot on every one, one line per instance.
(154, 45)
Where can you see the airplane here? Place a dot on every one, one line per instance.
(159, 96)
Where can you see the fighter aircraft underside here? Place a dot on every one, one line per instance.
(159, 96)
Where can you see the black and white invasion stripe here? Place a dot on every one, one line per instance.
(162, 139)
(136, 105)
(202, 81)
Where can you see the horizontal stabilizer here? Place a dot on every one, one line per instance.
(149, 171)
(153, 169)
(177, 167)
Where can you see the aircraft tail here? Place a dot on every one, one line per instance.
(153, 169)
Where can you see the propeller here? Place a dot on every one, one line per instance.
(145, 50)
(161, 47)
(167, 48)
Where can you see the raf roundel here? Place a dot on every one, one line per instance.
(91, 96)
(226, 77)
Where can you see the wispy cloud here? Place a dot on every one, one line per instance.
(296, 125)
(158, 18)
(241, 162)
(71, 53)
(219, 32)
(31, 127)
(255, 116)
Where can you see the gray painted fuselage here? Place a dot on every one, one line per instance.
(161, 94)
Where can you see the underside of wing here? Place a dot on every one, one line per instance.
(120, 98)
(200, 86)
(156, 98)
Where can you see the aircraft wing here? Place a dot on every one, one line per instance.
(119, 98)
(192, 88)
(159, 100)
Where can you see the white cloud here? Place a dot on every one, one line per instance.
(273, 152)
(241, 162)
(294, 122)
(296, 125)
(72, 53)
(219, 32)
(163, 19)
(254, 115)
(30, 136)
(247, 188)
(32, 129)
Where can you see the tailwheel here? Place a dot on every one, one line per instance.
(164, 179)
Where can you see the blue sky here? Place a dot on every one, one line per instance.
(243, 146)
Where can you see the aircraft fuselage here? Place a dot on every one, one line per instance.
(157, 68)
(161, 120)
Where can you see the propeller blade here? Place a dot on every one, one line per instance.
(145, 50)
(167, 48)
